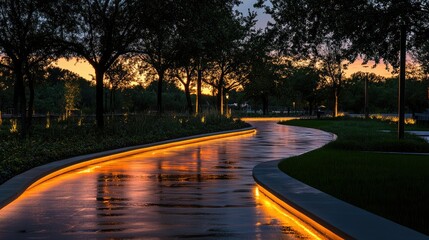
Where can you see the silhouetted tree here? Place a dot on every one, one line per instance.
(376, 29)
(227, 57)
(120, 74)
(99, 31)
(158, 43)
(362, 80)
(404, 27)
(6, 90)
(60, 91)
(186, 72)
(261, 84)
(264, 73)
(26, 45)
(307, 29)
(306, 81)
(199, 37)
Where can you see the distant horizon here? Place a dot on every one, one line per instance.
(85, 70)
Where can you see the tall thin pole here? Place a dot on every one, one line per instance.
(197, 97)
(366, 97)
(199, 80)
(221, 101)
(401, 91)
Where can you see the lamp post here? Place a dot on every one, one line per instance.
(199, 80)
(366, 97)
(227, 110)
(401, 91)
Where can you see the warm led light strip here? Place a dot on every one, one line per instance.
(137, 151)
(295, 222)
(276, 119)
(320, 228)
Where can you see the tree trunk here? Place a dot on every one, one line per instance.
(264, 105)
(188, 99)
(159, 96)
(23, 111)
(111, 100)
(99, 95)
(198, 99)
(366, 109)
(16, 96)
(30, 104)
(401, 87)
(220, 99)
(106, 99)
(335, 108)
(20, 98)
(18, 86)
(220, 95)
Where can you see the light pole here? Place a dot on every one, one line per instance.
(366, 97)
(401, 92)
(227, 110)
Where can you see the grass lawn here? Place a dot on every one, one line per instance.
(58, 139)
(392, 185)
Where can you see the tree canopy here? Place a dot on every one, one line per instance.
(373, 30)
(100, 31)
(24, 31)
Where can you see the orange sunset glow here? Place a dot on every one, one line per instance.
(85, 70)
(357, 66)
(80, 67)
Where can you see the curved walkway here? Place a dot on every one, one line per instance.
(202, 190)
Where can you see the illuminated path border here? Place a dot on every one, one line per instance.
(331, 216)
(13, 188)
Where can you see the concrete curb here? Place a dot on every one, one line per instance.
(331, 216)
(14, 187)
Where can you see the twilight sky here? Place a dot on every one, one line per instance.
(262, 17)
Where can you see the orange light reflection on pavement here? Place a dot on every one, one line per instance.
(274, 119)
(275, 207)
(99, 164)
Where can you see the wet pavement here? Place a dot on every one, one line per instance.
(201, 191)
